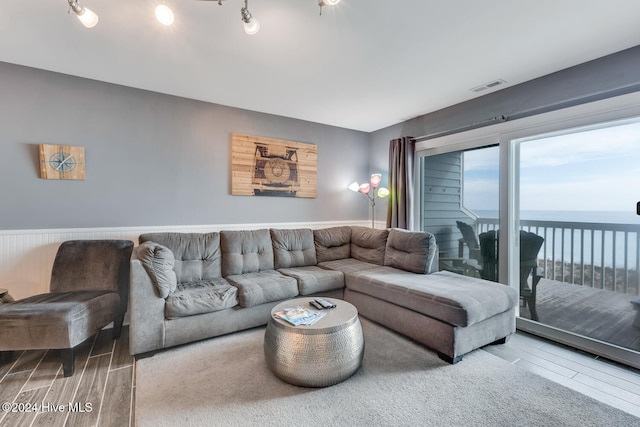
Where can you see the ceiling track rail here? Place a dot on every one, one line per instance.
(635, 87)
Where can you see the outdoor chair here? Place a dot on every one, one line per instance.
(89, 289)
(474, 262)
(530, 244)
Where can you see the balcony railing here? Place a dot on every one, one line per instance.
(599, 255)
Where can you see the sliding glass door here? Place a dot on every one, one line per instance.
(578, 193)
(547, 205)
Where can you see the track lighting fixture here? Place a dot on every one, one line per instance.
(251, 24)
(88, 18)
(165, 16)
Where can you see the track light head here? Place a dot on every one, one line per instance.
(88, 18)
(251, 24)
(322, 3)
(164, 14)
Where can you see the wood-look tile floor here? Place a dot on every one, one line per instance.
(105, 379)
(100, 393)
(609, 382)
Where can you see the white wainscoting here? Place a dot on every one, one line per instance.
(26, 256)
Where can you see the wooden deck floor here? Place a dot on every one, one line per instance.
(595, 313)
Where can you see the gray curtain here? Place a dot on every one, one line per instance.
(401, 158)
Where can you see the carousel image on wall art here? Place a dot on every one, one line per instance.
(272, 167)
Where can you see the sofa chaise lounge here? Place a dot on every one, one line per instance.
(191, 286)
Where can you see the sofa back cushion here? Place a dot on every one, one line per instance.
(368, 245)
(246, 251)
(293, 248)
(197, 255)
(332, 243)
(413, 251)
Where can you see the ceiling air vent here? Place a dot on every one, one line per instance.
(487, 86)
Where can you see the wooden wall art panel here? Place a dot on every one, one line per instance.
(273, 167)
(61, 162)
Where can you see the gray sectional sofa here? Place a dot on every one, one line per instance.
(191, 286)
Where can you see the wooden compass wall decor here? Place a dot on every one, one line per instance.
(61, 162)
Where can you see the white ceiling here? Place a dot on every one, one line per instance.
(363, 64)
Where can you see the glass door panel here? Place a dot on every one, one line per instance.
(578, 195)
(460, 200)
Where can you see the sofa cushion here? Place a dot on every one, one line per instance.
(332, 243)
(262, 287)
(158, 262)
(313, 279)
(200, 297)
(293, 248)
(246, 251)
(197, 255)
(368, 244)
(413, 251)
(348, 265)
(452, 298)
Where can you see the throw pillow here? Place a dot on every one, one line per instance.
(413, 251)
(158, 261)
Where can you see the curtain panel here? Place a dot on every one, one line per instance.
(401, 161)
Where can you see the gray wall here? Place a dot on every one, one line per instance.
(155, 159)
(602, 78)
(152, 159)
(605, 77)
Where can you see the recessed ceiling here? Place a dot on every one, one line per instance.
(362, 65)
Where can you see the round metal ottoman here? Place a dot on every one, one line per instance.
(320, 355)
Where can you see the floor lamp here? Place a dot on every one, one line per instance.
(368, 189)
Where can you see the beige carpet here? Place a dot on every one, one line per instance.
(226, 382)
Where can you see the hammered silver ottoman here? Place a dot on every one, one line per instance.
(320, 355)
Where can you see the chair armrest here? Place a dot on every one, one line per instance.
(146, 312)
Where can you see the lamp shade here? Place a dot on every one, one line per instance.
(383, 192)
(88, 17)
(376, 179)
(364, 188)
(354, 186)
(252, 26)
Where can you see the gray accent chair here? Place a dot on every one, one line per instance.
(89, 289)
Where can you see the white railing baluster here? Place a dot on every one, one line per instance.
(593, 259)
(626, 262)
(572, 266)
(582, 255)
(602, 251)
(614, 269)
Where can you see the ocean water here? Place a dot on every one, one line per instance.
(608, 248)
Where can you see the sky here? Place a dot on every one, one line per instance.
(593, 170)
